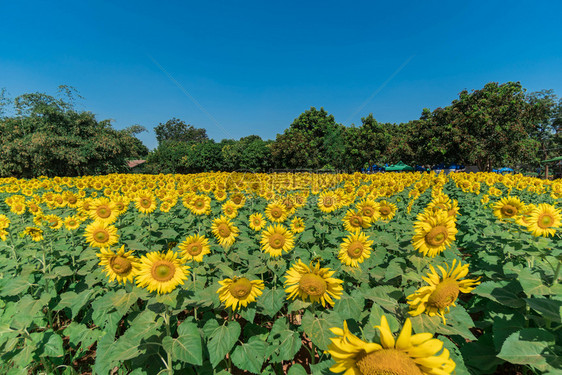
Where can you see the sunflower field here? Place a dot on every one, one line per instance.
(285, 273)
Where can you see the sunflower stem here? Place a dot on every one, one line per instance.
(149, 233)
(556, 273)
(167, 320)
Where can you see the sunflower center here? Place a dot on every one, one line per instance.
(224, 230)
(53, 222)
(194, 249)
(385, 210)
(545, 220)
(387, 362)
(104, 212)
(312, 284)
(240, 288)
(276, 212)
(101, 236)
(120, 206)
(145, 203)
(257, 222)
(276, 240)
(444, 294)
(355, 250)
(509, 210)
(356, 221)
(367, 211)
(437, 235)
(237, 199)
(199, 204)
(120, 265)
(72, 200)
(328, 201)
(163, 270)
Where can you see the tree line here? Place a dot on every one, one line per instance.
(498, 125)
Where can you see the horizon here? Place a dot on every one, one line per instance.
(138, 63)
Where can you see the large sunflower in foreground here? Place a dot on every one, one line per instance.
(103, 209)
(276, 212)
(544, 220)
(508, 208)
(433, 233)
(354, 249)
(161, 272)
(225, 232)
(100, 234)
(442, 291)
(312, 283)
(194, 247)
(407, 355)
(276, 239)
(120, 266)
(238, 292)
(145, 202)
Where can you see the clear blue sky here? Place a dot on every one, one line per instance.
(253, 67)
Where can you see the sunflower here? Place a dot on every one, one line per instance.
(544, 220)
(100, 234)
(276, 239)
(230, 209)
(53, 221)
(387, 210)
(194, 247)
(145, 202)
(18, 208)
(4, 222)
(355, 222)
(442, 291)
(120, 266)
(297, 225)
(161, 272)
(238, 292)
(225, 232)
(103, 209)
(35, 233)
(433, 233)
(328, 201)
(200, 205)
(354, 249)
(369, 209)
(257, 221)
(312, 282)
(407, 355)
(276, 212)
(72, 222)
(3, 234)
(508, 208)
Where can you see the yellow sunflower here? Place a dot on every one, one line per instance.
(35, 233)
(3, 234)
(238, 292)
(442, 291)
(225, 232)
(355, 222)
(276, 239)
(161, 272)
(200, 205)
(145, 202)
(407, 355)
(4, 222)
(120, 266)
(100, 234)
(194, 247)
(257, 221)
(387, 210)
(297, 225)
(72, 222)
(328, 201)
(312, 282)
(103, 209)
(368, 208)
(53, 221)
(544, 220)
(433, 233)
(276, 212)
(230, 209)
(354, 249)
(508, 208)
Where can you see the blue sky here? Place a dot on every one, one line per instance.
(241, 68)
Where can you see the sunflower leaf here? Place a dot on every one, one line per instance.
(271, 301)
(250, 356)
(187, 347)
(222, 340)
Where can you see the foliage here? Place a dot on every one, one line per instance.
(175, 130)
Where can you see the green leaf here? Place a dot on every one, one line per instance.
(375, 315)
(550, 309)
(250, 356)
(187, 347)
(271, 301)
(506, 325)
(458, 323)
(502, 292)
(53, 345)
(285, 342)
(480, 355)
(532, 283)
(349, 307)
(222, 340)
(529, 346)
(318, 327)
(296, 369)
(74, 301)
(79, 333)
(455, 355)
(308, 236)
(385, 296)
(15, 286)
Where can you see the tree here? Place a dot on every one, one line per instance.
(48, 137)
(176, 130)
(250, 153)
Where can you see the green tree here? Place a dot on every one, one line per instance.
(366, 144)
(176, 130)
